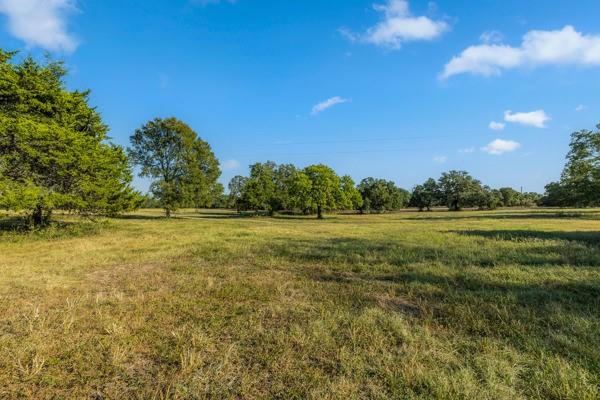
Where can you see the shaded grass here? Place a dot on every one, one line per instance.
(407, 305)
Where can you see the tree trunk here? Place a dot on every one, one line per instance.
(319, 213)
(168, 212)
(38, 217)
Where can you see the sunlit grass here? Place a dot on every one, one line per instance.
(497, 305)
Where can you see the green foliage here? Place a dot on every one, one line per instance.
(458, 189)
(325, 190)
(236, 188)
(350, 199)
(259, 189)
(275, 188)
(580, 181)
(54, 149)
(183, 166)
(380, 195)
(426, 196)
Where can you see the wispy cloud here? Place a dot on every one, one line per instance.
(559, 47)
(537, 118)
(324, 105)
(500, 146)
(497, 126)
(440, 159)
(580, 107)
(467, 150)
(231, 165)
(40, 23)
(398, 26)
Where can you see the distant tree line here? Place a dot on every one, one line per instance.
(55, 153)
(275, 188)
(457, 190)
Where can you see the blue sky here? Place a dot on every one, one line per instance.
(401, 90)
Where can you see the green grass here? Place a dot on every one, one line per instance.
(473, 305)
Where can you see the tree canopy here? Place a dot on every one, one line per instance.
(380, 195)
(580, 181)
(183, 166)
(54, 148)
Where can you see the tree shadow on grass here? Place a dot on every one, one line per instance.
(586, 238)
(449, 285)
(581, 215)
(141, 217)
(14, 224)
(349, 251)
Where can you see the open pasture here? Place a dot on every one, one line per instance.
(478, 305)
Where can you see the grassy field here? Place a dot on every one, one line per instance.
(473, 305)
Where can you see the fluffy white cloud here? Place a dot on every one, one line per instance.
(231, 165)
(534, 118)
(40, 23)
(324, 105)
(500, 146)
(559, 47)
(397, 26)
(497, 126)
(440, 159)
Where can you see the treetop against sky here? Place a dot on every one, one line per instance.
(397, 89)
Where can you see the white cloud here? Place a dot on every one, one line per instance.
(497, 126)
(324, 105)
(40, 23)
(398, 26)
(538, 48)
(440, 159)
(467, 150)
(534, 118)
(580, 107)
(489, 37)
(500, 146)
(231, 165)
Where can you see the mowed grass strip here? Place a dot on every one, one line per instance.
(494, 305)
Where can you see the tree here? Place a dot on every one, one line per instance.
(350, 198)
(426, 195)
(399, 197)
(458, 188)
(259, 190)
(236, 188)
(182, 165)
(300, 192)
(324, 189)
(204, 171)
(283, 176)
(580, 179)
(380, 195)
(557, 195)
(54, 148)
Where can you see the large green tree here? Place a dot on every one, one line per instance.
(458, 189)
(581, 175)
(183, 166)
(236, 187)
(325, 188)
(259, 189)
(54, 148)
(425, 196)
(380, 195)
(351, 198)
